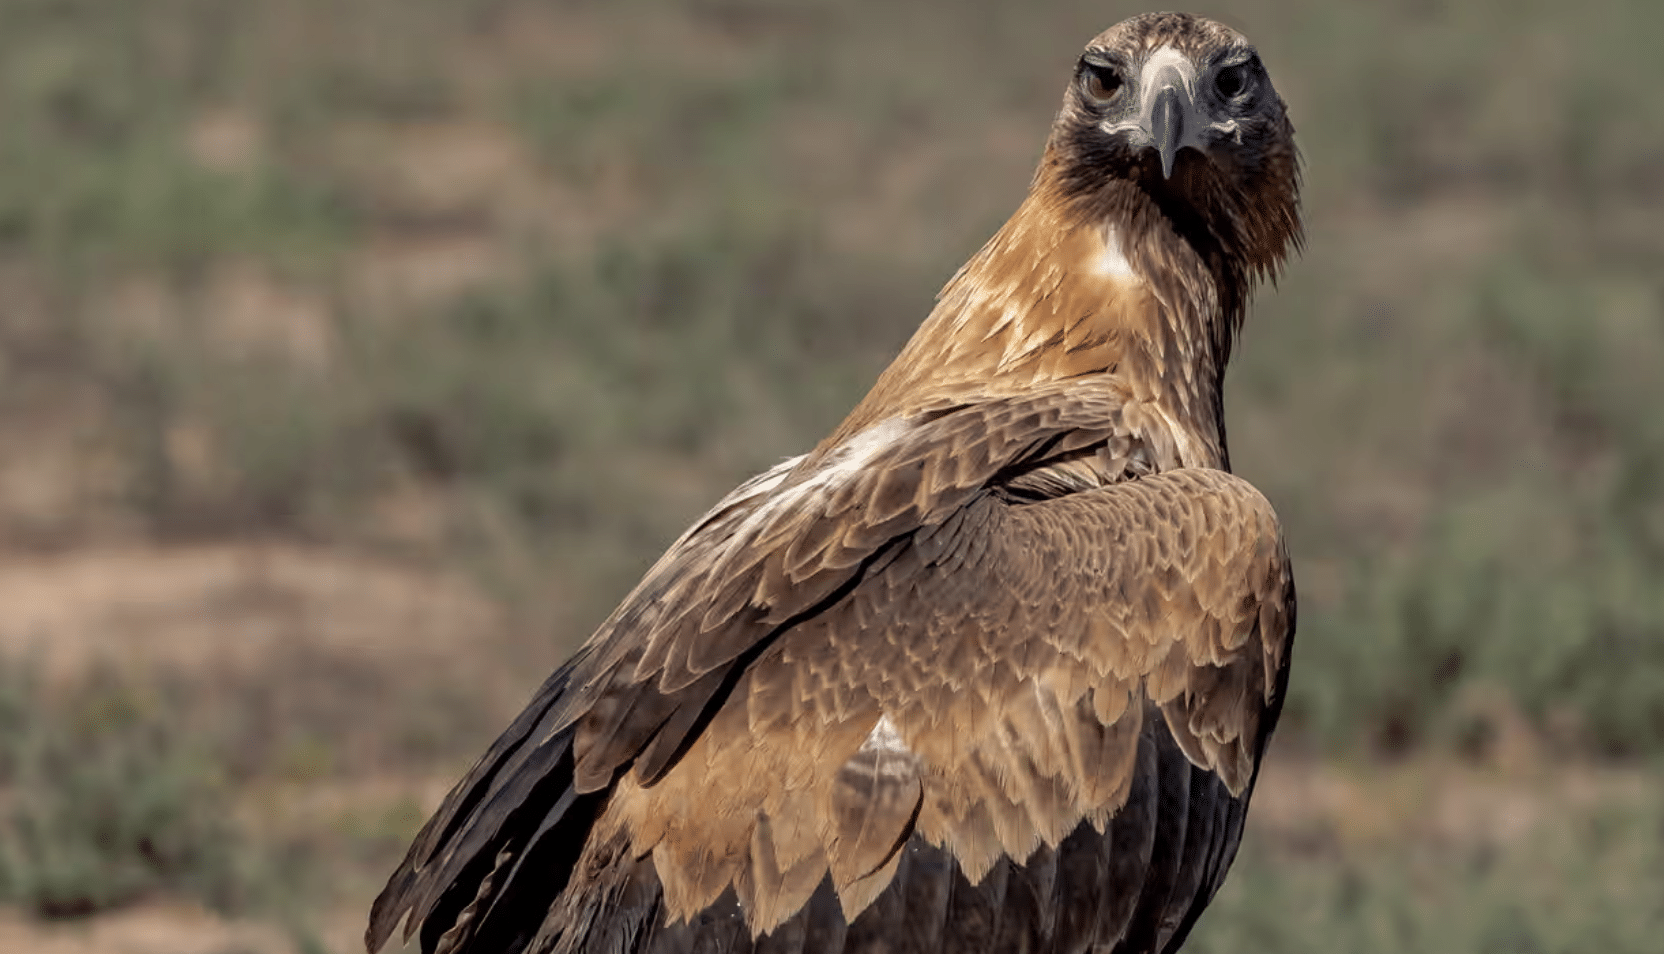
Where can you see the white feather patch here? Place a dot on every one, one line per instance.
(885, 737)
(845, 460)
(857, 452)
(1113, 262)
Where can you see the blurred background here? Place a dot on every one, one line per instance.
(356, 357)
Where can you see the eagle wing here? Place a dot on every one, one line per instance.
(961, 627)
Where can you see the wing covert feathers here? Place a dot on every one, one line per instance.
(986, 686)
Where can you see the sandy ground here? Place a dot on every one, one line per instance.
(204, 609)
(156, 928)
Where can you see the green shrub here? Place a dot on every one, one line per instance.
(107, 802)
(1585, 881)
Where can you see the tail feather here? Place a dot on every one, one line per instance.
(486, 814)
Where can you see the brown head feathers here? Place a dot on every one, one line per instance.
(1114, 263)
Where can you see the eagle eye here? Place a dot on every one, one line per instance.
(1102, 81)
(1233, 81)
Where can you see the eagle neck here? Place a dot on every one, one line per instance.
(1059, 294)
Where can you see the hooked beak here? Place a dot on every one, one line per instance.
(1165, 124)
(1168, 109)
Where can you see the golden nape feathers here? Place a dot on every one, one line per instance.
(993, 666)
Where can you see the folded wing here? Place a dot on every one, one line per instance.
(883, 646)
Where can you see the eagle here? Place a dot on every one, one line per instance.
(991, 668)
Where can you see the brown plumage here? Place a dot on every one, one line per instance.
(993, 666)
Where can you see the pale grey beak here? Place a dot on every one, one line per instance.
(1169, 108)
(1165, 124)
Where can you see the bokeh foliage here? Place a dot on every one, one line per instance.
(1590, 880)
(109, 802)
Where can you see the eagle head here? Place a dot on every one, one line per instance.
(1175, 114)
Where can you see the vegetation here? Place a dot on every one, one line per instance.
(519, 289)
(107, 804)
(1589, 880)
